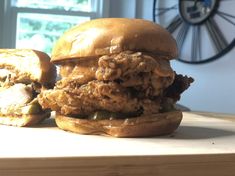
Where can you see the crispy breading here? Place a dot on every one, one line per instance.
(124, 83)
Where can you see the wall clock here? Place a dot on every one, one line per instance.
(204, 29)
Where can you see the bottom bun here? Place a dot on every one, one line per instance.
(23, 120)
(143, 126)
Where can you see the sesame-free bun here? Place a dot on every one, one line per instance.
(143, 126)
(24, 119)
(28, 64)
(113, 35)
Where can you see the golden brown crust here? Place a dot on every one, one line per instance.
(23, 120)
(31, 64)
(48, 69)
(144, 126)
(113, 35)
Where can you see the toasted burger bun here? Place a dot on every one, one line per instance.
(114, 35)
(23, 120)
(28, 64)
(143, 126)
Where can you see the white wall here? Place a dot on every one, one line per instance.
(214, 86)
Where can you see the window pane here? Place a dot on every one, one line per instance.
(40, 31)
(68, 5)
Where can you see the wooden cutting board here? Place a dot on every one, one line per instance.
(204, 144)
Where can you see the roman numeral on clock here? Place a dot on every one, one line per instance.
(216, 35)
(228, 17)
(174, 24)
(180, 38)
(196, 43)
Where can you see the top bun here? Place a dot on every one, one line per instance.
(114, 35)
(28, 64)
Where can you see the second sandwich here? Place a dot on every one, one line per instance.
(24, 73)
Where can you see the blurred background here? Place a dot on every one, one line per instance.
(38, 24)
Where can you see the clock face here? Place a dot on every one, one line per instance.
(196, 12)
(204, 29)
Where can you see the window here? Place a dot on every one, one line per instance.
(37, 24)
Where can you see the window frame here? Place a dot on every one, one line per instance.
(8, 31)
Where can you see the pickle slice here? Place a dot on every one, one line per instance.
(101, 115)
(31, 109)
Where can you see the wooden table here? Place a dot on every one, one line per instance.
(204, 144)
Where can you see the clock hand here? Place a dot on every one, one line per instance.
(164, 10)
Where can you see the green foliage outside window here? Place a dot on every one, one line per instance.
(41, 31)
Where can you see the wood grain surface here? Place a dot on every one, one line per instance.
(204, 144)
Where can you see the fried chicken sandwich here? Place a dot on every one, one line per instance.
(24, 73)
(116, 79)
